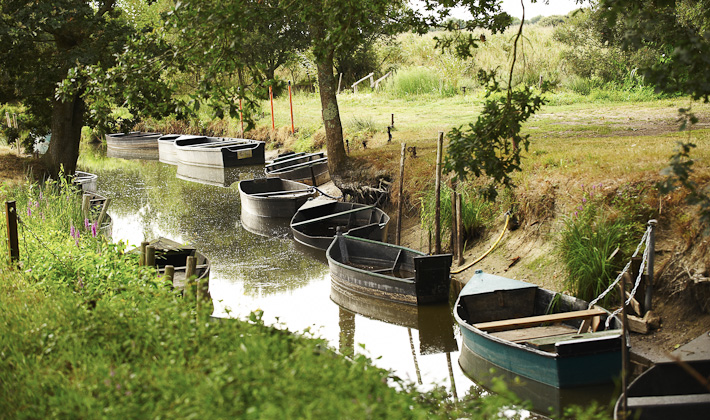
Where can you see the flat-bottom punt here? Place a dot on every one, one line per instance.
(311, 169)
(668, 391)
(316, 222)
(389, 271)
(273, 197)
(218, 152)
(169, 252)
(133, 145)
(505, 322)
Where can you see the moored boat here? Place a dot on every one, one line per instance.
(668, 390)
(166, 149)
(273, 197)
(133, 145)
(389, 271)
(86, 181)
(218, 152)
(311, 169)
(316, 222)
(169, 252)
(538, 334)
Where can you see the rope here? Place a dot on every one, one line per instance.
(327, 195)
(466, 267)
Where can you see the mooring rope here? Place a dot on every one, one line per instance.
(645, 240)
(469, 265)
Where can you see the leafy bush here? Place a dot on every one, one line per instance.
(417, 81)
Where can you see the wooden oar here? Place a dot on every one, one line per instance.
(272, 193)
(330, 216)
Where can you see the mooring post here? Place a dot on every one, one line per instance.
(290, 102)
(144, 245)
(437, 194)
(150, 256)
(453, 242)
(241, 113)
(400, 199)
(389, 134)
(12, 237)
(190, 270)
(392, 120)
(651, 258)
(169, 274)
(271, 99)
(624, 344)
(85, 205)
(459, 227)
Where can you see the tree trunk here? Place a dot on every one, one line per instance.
(331, 115)
(67, 121)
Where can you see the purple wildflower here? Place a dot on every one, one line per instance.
(29, 211)
(575, 214)
(72, 231)
(94, 228)
(581, 207)
(86, 223)
(584, 200)
(40, 195)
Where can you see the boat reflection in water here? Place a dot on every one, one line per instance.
(543, 398)
(220, 177)
(266, 226)
(434, 323)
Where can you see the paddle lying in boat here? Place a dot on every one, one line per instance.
(316, 222)
(389, 271)
(273, 197)
(538, 334)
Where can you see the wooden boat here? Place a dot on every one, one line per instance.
(86, 181)
(316, 222)
(389, 271)
(668, 391)
(169, 252)
(133, 145)
(311, 169)
(273, 197)
(270, 227)
(506, 322)
(166, 149)
(217, 152)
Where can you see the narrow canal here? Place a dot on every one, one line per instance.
(262, 269)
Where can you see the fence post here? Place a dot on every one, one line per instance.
(12, 237)
(437, 192)
(459, 227)
(454, 227)
(271, 99)
(290, 102)
(651, 258)
(400, 199)
(144, 245)
(150, 256)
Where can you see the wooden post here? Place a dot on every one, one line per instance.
(144, 245)
(271, 99)
(389, 134)
(169, 274)
(651, 259)
(241, 113)
(340, 80)
(437, 194)
(85, 205)
(102, 215)
(13, 243)
(624, 344)
(150, 256)
(392, 120)
(400, 199)
(454, 242)
(290, 101)
(459, 227)
(190, 269)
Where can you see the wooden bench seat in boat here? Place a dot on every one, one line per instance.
(548, 343)
(532, 321)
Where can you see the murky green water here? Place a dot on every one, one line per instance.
(257, 267)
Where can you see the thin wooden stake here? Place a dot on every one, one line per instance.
(454, 239)
(12, 236)
(290, 101)
(437, 194)
(190, 270)
(400, 199)
(624, 344)
(271, 99)
(459, 227)
(150, 256)
(340, 80)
